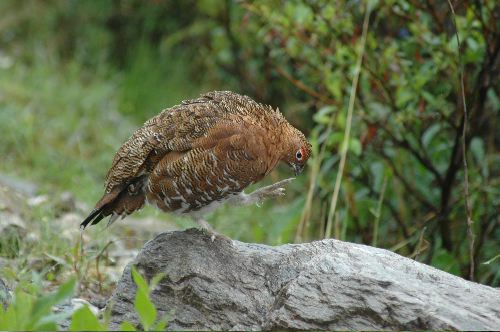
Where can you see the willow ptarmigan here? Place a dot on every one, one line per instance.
(192, 157)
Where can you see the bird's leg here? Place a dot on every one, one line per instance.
(258, 196)
(205, 227)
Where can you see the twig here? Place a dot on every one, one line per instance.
(97, 259)
(420, 246)
(408, 187)
(352, 98)
(306, 212)
(405, 144)
(470, 232)
(364, 179)
(300, 85)
(434, 14)
(379, 212)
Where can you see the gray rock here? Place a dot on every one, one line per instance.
(68, 307)
(323, 285)
(22, 186)
(5, 297)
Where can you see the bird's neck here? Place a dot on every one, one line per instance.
(276, 145)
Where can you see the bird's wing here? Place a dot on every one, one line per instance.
(174, 129)
(171, 132)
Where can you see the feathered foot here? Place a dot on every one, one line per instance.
(258, 196)
(206, 228)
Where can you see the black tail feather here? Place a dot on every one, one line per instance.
(95, 216)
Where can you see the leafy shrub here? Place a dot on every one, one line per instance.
(31, 311)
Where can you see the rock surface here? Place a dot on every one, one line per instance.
(323, 285)
(5, 297)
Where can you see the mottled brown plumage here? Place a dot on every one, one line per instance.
(192, 157)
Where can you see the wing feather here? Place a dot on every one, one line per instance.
(174, 129)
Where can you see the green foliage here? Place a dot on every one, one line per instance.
(31, 312)
(84, 319)
(407, 122)
(76, 78)
(144, 306)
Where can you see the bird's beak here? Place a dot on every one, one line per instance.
(297, 169)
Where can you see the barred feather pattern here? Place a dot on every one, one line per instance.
(195, 154)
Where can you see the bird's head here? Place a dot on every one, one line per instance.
(297, 150)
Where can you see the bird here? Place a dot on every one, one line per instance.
(191, 158)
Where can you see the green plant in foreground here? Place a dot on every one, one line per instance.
(144, 306)
(84, 319)
(30, 311)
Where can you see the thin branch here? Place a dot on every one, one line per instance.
(352, 98)
(389, 96)
(409, 188)
(301, 86)
(435, 15)
(405, 144)
(379, 212)
(422, 245)
(470, 232)
(364, 179)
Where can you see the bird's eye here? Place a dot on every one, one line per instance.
(299, 155)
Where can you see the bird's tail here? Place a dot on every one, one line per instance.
(121, 201)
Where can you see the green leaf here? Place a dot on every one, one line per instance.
(17, 315)
(491, 260)
(293, 47)
(446, 262)
(143, 305)
(378, 110)
(84, 320)
(156, 280)
(145, 309)
(301, 13)
(126, 326)
(161, 325)
(335, 138)
(324, 114)
(333, 82)
(50, 321)
(403, 96)
(374, 212)
(58, 260)
(43, 306)
(46, 326)
(430, 133)
(139, 281)
(8, 320)
(477, 149)
(355, 146)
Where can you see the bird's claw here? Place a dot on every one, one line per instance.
(274, 190)
(209, 232)
(207, 229)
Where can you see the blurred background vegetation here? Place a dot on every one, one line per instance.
(78, 77)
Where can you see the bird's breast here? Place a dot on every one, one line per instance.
(196, 182)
